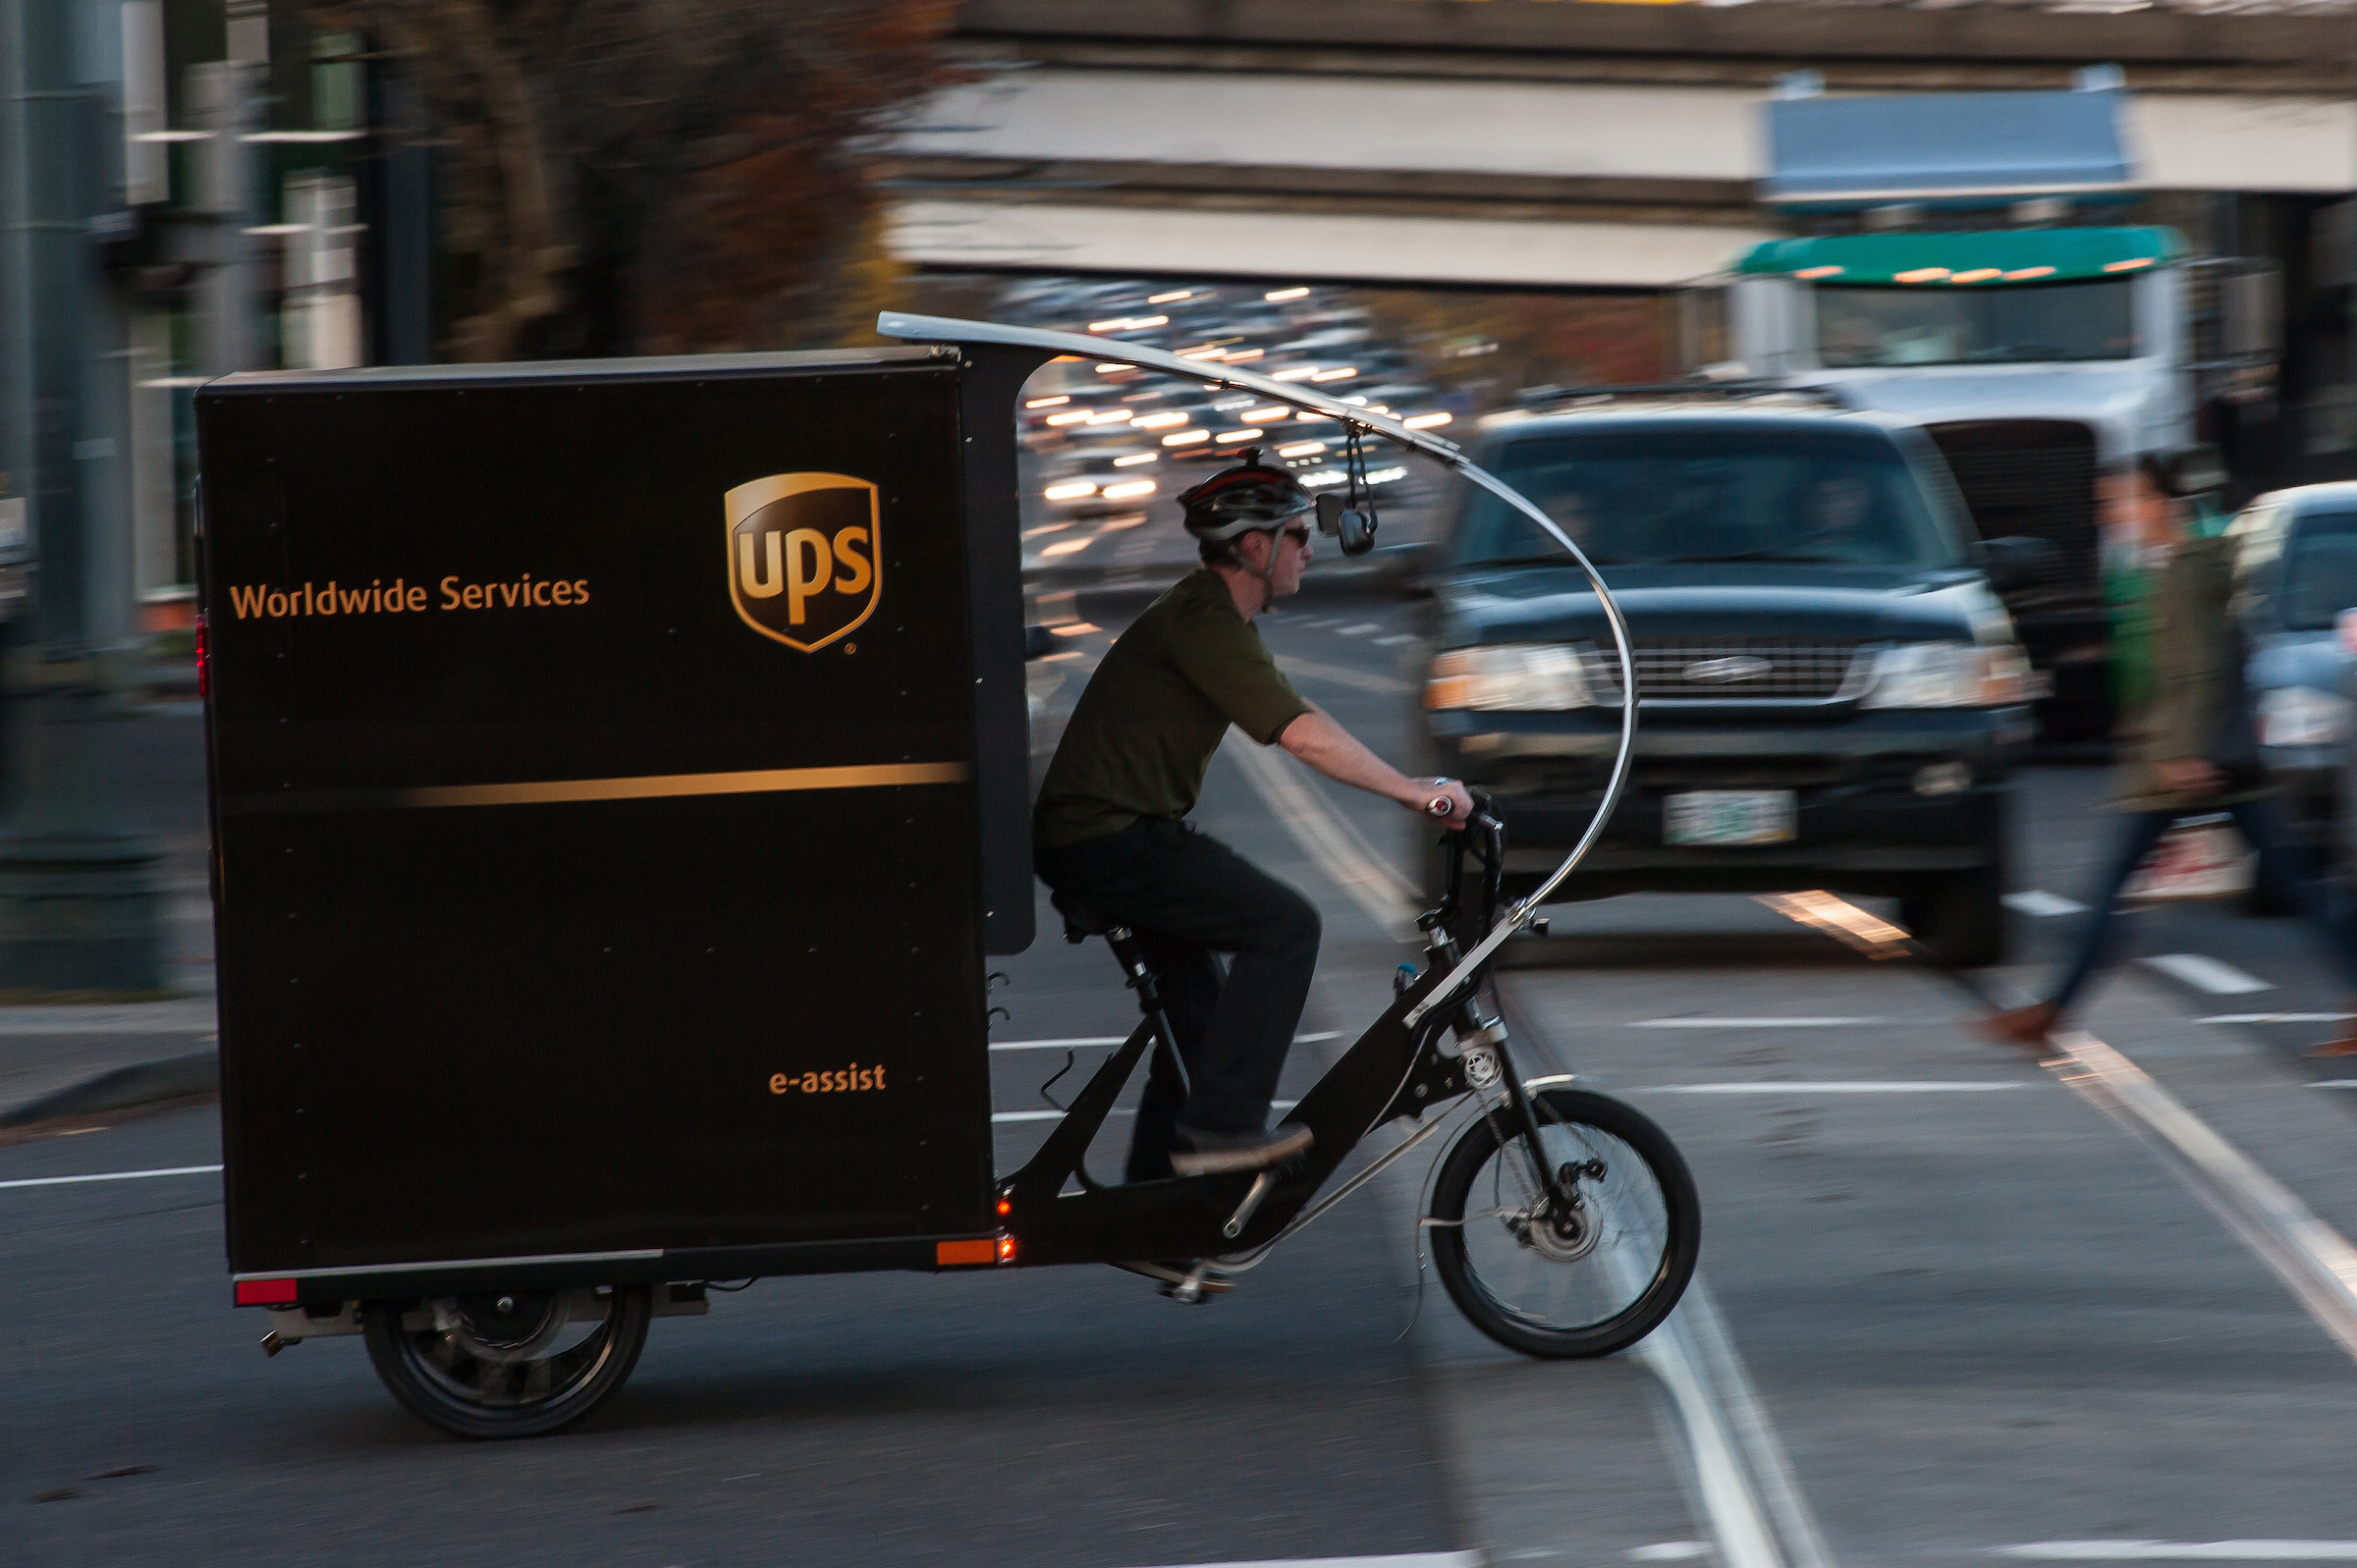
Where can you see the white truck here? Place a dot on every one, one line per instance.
(2040, 360)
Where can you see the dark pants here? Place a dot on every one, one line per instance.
(2261, 824)
(1190, 897)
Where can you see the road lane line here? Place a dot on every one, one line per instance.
(2183, 1550)
(1328, 841)
(114, 1175)
(1742, 1483)
(1393, 641)
(2207, 974)
(1359, 630)
(1769, 1023)
(1771, 1469)
(2279, 1017)
(1079, 1041)
(2334, 1083)
(2042, 904)
(1057, 1115)
(1406, 1560)
(2315, 1261)
(1757, 1516)
(1344, 675)
(1836, 1086)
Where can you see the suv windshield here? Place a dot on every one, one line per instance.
(1868, 326)
(1658, 497)
(2320, 570)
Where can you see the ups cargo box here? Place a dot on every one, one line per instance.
(615, 787)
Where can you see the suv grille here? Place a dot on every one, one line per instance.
(1745, 669)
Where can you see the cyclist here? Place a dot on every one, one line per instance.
(1109, 828)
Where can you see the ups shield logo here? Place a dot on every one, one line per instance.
(803, 564)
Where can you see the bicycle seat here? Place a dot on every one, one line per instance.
(1080, 922)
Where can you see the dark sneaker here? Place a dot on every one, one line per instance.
(1198, 1153)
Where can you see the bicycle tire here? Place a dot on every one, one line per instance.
(1475, 1255)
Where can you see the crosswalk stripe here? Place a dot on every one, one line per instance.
(2207, 974)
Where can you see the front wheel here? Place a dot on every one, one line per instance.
(508, 1364)
(1585, 1282)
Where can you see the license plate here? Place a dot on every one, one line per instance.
(1731, 816)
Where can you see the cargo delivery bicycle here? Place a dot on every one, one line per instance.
(675, 744)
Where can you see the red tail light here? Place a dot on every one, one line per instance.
(265, 1292)
(203, 676)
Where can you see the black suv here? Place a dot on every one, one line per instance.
(1830, 691)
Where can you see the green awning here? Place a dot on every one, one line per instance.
(1971, 259)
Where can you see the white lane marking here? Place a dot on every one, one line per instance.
(1767, 1023)
(2334, 1083)
(1837, 1086)
(1411, 1560)
(155, 1018)
(2315, 1261)
(2207, 974)
(1072, 1044)
(1391, 642)
(1344, 675)
(1329, 840)
(114, 1175)
(1669, 1552)
(2183, 1550)
(2279, 1017)
(1361, 630)
(2043, 905)
(1756, 1515)
(1057, 1115)
(1077, 1041)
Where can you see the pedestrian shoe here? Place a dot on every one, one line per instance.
(2024, 1026)
(1200, 1152)
(2342, 1045)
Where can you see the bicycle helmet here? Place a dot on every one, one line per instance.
(1236, 501)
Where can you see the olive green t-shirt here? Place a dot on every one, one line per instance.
(1141, 736)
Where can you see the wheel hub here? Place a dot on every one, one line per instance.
(505, 1327)
(1559, 1234)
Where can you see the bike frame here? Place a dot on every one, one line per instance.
(1396, 1070)
(1203, 1217)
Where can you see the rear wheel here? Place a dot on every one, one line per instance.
(514, 1364)
(1583, 1281)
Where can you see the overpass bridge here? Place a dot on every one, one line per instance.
(1538, 143)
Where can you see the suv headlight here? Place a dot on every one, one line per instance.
(1950, 675)
(1520, 676)
(2302, 716)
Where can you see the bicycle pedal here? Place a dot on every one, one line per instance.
(1182, 1284)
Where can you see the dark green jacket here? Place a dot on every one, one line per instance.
(2193, 678)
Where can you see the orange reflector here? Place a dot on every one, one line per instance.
(1006, 1208)
(952, 1254)
(277, 1292)
(1006, 1249)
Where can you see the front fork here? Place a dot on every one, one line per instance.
(1481, 1038)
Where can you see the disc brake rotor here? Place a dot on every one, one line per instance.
(506, 1329)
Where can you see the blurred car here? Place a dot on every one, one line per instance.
(1101, 478)
(1832, 693)
(2298, 572)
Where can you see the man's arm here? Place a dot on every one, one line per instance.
(1341, 756)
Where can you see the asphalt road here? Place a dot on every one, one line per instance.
(1953, 1307)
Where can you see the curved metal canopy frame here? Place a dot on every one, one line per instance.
(1112, 351)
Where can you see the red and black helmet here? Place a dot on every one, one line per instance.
(1251, 495)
